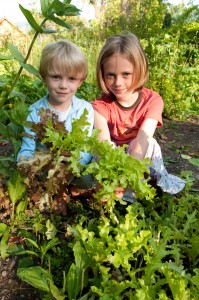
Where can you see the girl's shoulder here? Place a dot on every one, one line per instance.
(148, 94)
(104, 98)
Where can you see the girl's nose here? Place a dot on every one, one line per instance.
(118, 81)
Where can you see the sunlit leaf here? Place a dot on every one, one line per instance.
(16, 187)
(194, 161)
(35, 276)
(15, 52)
(2, 57)
(30, 19)
(44, 6)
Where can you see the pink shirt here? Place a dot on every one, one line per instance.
(124, 122)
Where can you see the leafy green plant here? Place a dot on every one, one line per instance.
(51, 10)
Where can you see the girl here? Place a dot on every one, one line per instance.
(127, 112)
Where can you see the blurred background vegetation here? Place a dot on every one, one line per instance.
(168, 33)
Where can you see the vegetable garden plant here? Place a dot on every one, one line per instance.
(94, 250)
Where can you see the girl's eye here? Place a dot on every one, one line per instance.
(125, 75)
(109, 76)
(72, 78)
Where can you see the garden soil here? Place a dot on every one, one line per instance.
(178, 140)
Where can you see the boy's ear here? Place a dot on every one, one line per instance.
(80, 83)
(43, 79)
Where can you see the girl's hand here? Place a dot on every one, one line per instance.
(138, 147)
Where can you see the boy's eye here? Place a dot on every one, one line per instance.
(54, 76)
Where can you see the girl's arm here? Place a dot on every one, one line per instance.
(138, 147)
(101, 123)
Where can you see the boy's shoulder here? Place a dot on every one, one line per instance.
(39, 104)
(78, 102)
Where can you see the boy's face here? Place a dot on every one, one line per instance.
(62, 87)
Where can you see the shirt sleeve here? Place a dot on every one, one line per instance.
(28, 145)
(155, 109)
(102, 108)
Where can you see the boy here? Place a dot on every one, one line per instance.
(63, 68)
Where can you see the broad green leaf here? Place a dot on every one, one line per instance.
(16, 187)
(194, 161)
(3, 130)
(15, 93)
(2, 57)
(51, 230)
(35, 276)
(195, 278)
(57, 294)
(2, 228)
(49, 31)
(15, 53)
(50, 245)
(29, 17)
(4, 242)
(44, 6)
(64, 9)
(17, 249)
(72, 283)
(59, 22)
(33, 243)
(31, 69)
(21, 207)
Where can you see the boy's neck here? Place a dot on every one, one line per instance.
(60, 107)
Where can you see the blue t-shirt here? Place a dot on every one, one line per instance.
(29, 146)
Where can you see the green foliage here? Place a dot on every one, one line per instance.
(144, 250)
(145, 254)
(141, 17)
(16, 189)
(174, 74)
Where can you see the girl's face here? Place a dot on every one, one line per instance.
(118, 75)
(61, 87)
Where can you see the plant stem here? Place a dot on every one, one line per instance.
(26, 58)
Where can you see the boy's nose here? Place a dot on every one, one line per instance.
(63, 84)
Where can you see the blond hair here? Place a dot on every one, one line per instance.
(130, 48)
(64, 56)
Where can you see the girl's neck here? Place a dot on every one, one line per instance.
(129, 99)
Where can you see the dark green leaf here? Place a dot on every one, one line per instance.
(35, 276)
(30, 69)
(15, 53)
(64, 9)
(2, 57)
(194, 161)
(30, 19)
(60, 22)
(48, 31)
